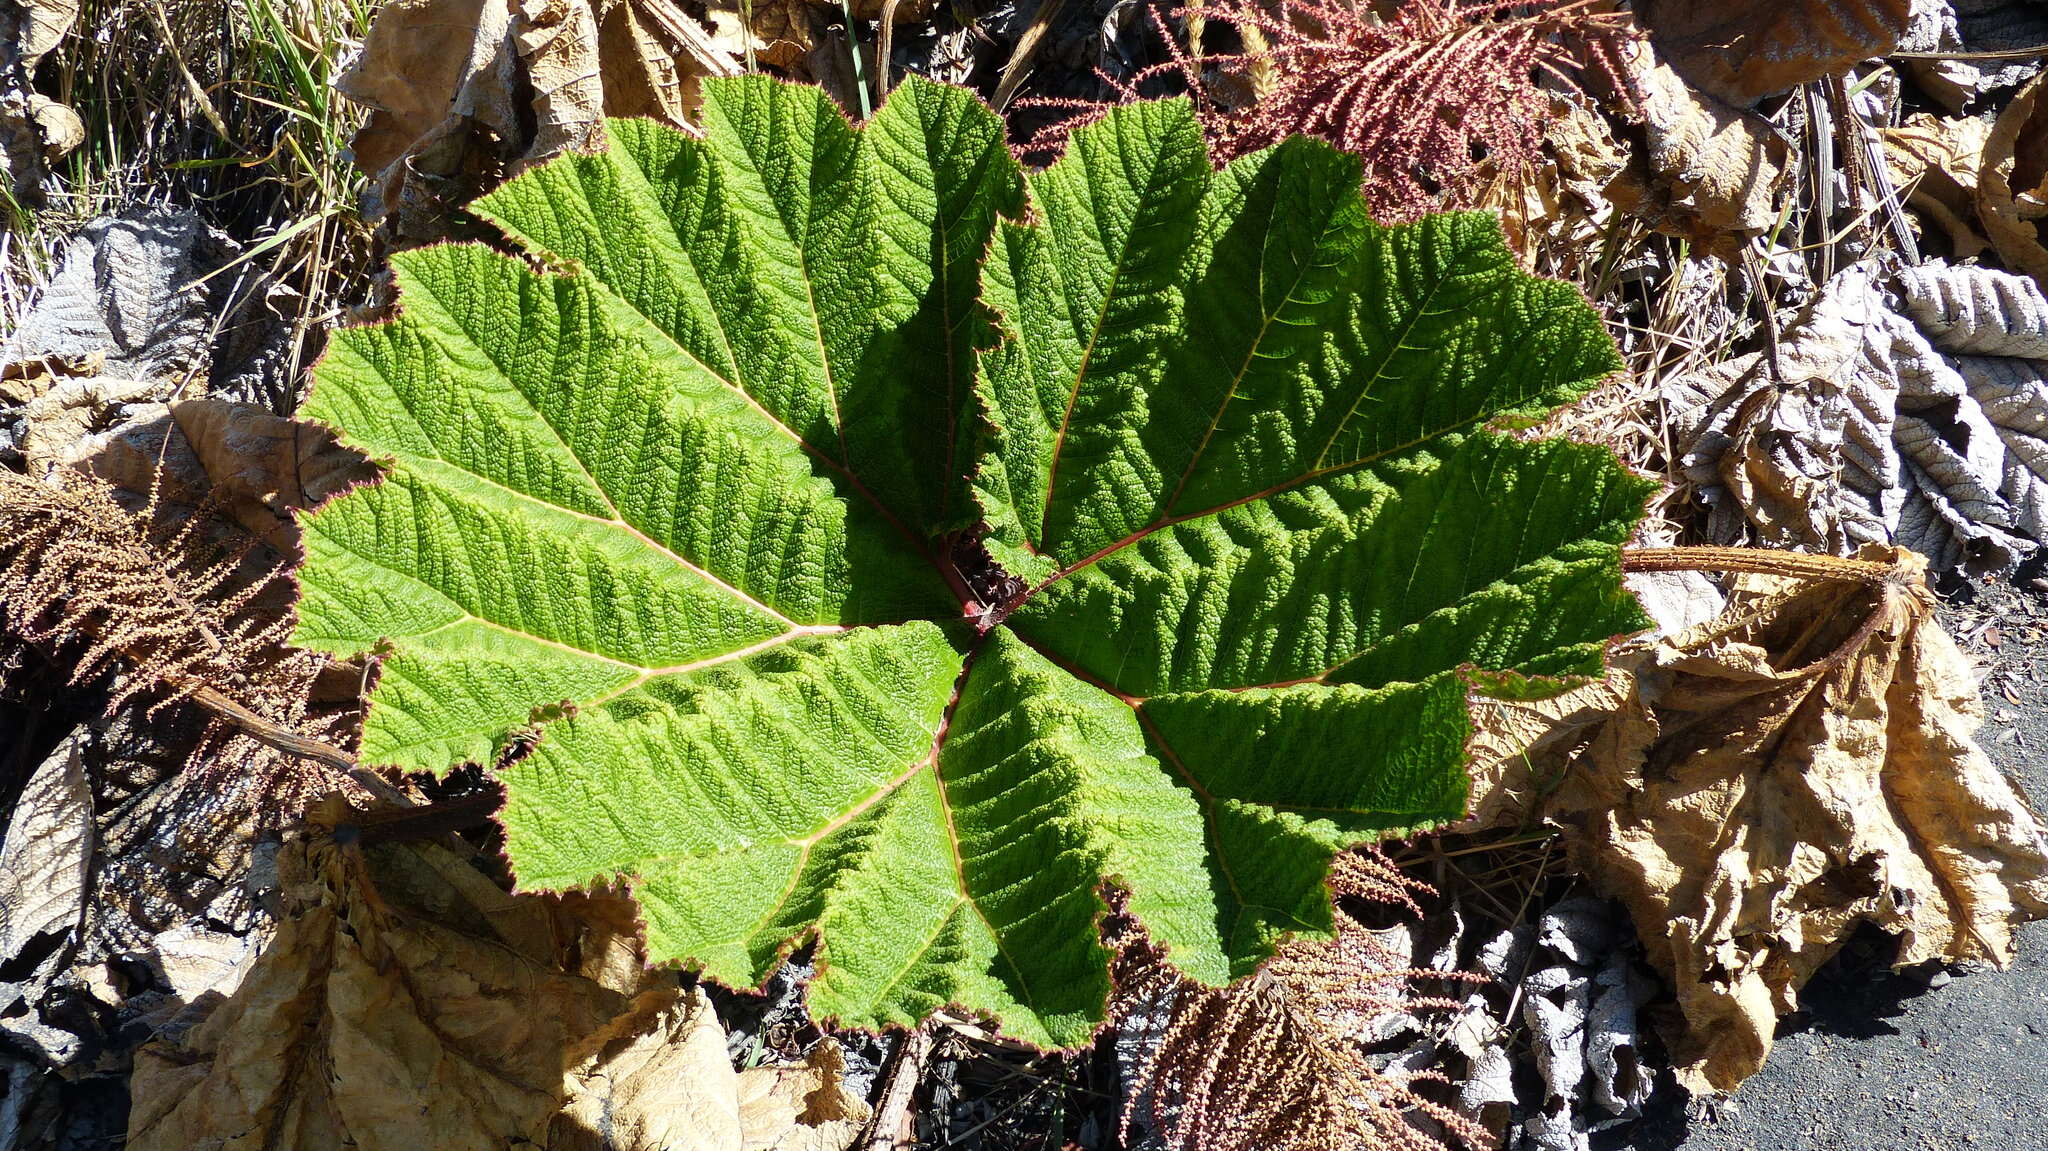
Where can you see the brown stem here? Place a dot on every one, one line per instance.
(1758, 561)
(883, 49)
(290, 742)
(2001, 54)
(431, 821)
(891, 1125)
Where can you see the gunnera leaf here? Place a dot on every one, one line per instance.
(729, 476)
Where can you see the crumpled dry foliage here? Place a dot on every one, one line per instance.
(1706, 170)
(113, 864)
(2012, 183)
(407, 1002)
(1520, 748)
(1952, 31)
(807, 1107)
(242, 460)
(125, 291)
(230, 462)
(670, 1086)
(1984, 183)
(118, 861)
(1911, 409)
(176, 849)
(1565, 975)
(1936, 160)
(120, 324)
(1741, 51)
(44, 863)
(34, 129)
(33, 29)
(1768, 781)
(462, 92)
(135, 316)
(1788, 454)
(1553, 217)
(60, 407)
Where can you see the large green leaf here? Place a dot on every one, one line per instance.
(713, 478)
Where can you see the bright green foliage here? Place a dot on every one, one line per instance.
(707, 479)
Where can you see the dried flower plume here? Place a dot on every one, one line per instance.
(180, 617)
(1273, 1062)
(1440, 98)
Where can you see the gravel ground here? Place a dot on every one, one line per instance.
(1924, 1060)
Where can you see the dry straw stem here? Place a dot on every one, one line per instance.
(1273, 1062)
(892, 1118)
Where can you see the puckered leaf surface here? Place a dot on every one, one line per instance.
(706, 477)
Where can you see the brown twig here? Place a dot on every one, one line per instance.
(2001, 54)
(886, 1132)
(1757, 561)
(1019, 64)
(430, 821)
(290, 742)
(885, 46)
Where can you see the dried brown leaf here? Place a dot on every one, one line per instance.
(665, 1086)
(1937, 159)
(802, 1108)
(1552, 213)
(1805, 764)
(1741, 51)
(132, 317)
(661, 1081)
(46, 856)
(66, 422)
(259, 465)
(34, 129)
(1708, 171)
(1907, 409)
(60, 128)
(407, 1002)
(1790, 457)
(2012, 193)
(36, 27)
(230, 461)
(418, 57)
(1519, 747)
(462, 92)
(557, 42)
(652, 56)
(1970, 49)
